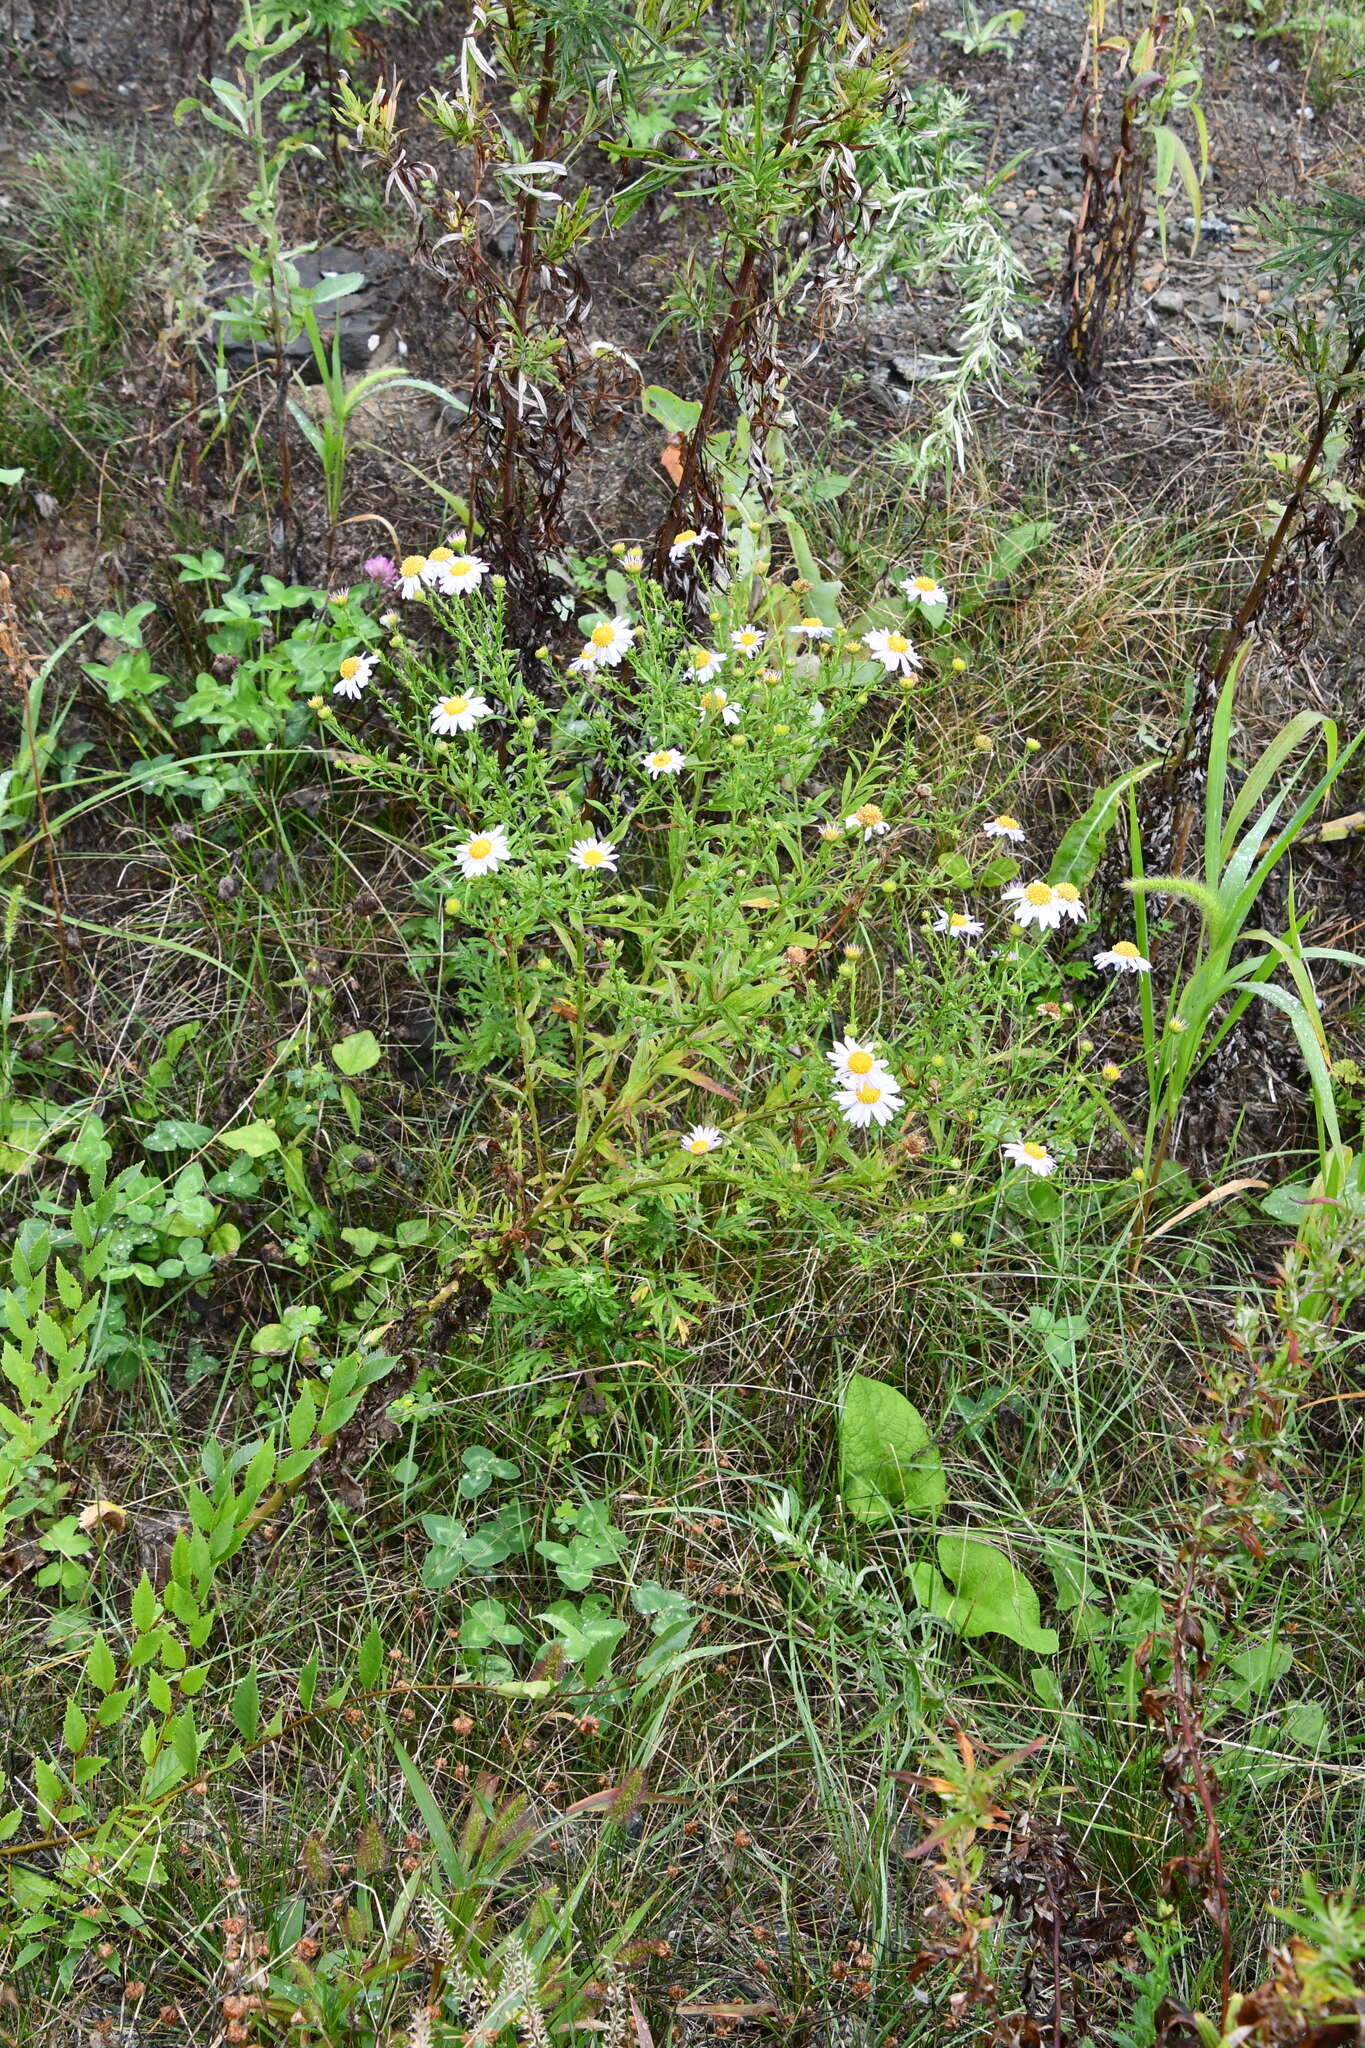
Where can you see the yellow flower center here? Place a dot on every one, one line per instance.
(811, 625)
(957, 920)
(660, 760)
(593, 856)
(1126, 950)
(1006, 823)
(1035, 1152)
(925, 583)
(869, 814)
(1068, 892)
(714, 700)
(441, 555)
(459, 565)
(860, 1062)
(748, 639)
(896, 643)
(455, 707)
(349, 667)
(868, 1091)
(479, 849)
(1038, 893)
(602, 636)
(412, 565)
(686, 537)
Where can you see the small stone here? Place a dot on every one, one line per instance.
(1169, 301)
(1034, 216)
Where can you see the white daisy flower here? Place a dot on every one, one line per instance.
(716, 700)
(633, 561)
(811, 629)
(410, 575)
(1036, 1158)
(459, 714)
(689, 538)
(607, 642)
(705, 663)
(873, 1101)
(702, 1138)
(1004, 827)
(663, 761)
(958, 925)
(893, 651)
(1068, 897)
(463, 574)
(869, 820)
(484, 853)
(1124, 958)
(592, 855)
(1035, 903)
(436, 570)
(353, 675)
(856, 1059)
(747, 640)
(925, 590)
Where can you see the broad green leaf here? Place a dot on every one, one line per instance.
(1082, 845)
(145, 1606)
(358, 1053)
(677, 415)
(99, 1665)
(75, 1727)
(253, 1139)
(370, 1661)
(990, 1597)
(1286, 1203)
(887, 1458)
(1016, 545)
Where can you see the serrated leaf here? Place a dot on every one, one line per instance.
(145, 1608)
(100, 1668)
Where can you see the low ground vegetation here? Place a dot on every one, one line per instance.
(685, 1207)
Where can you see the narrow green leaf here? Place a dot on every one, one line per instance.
(246, 1706)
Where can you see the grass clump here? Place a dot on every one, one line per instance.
(90, 277)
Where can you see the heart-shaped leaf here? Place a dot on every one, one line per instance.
(991, 1597)
(887, 1459)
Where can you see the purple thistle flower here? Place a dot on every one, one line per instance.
(381, 569)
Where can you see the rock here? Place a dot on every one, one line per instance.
(1034, 216)
(1212, 230)
(1169, 301)
(362, 318)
